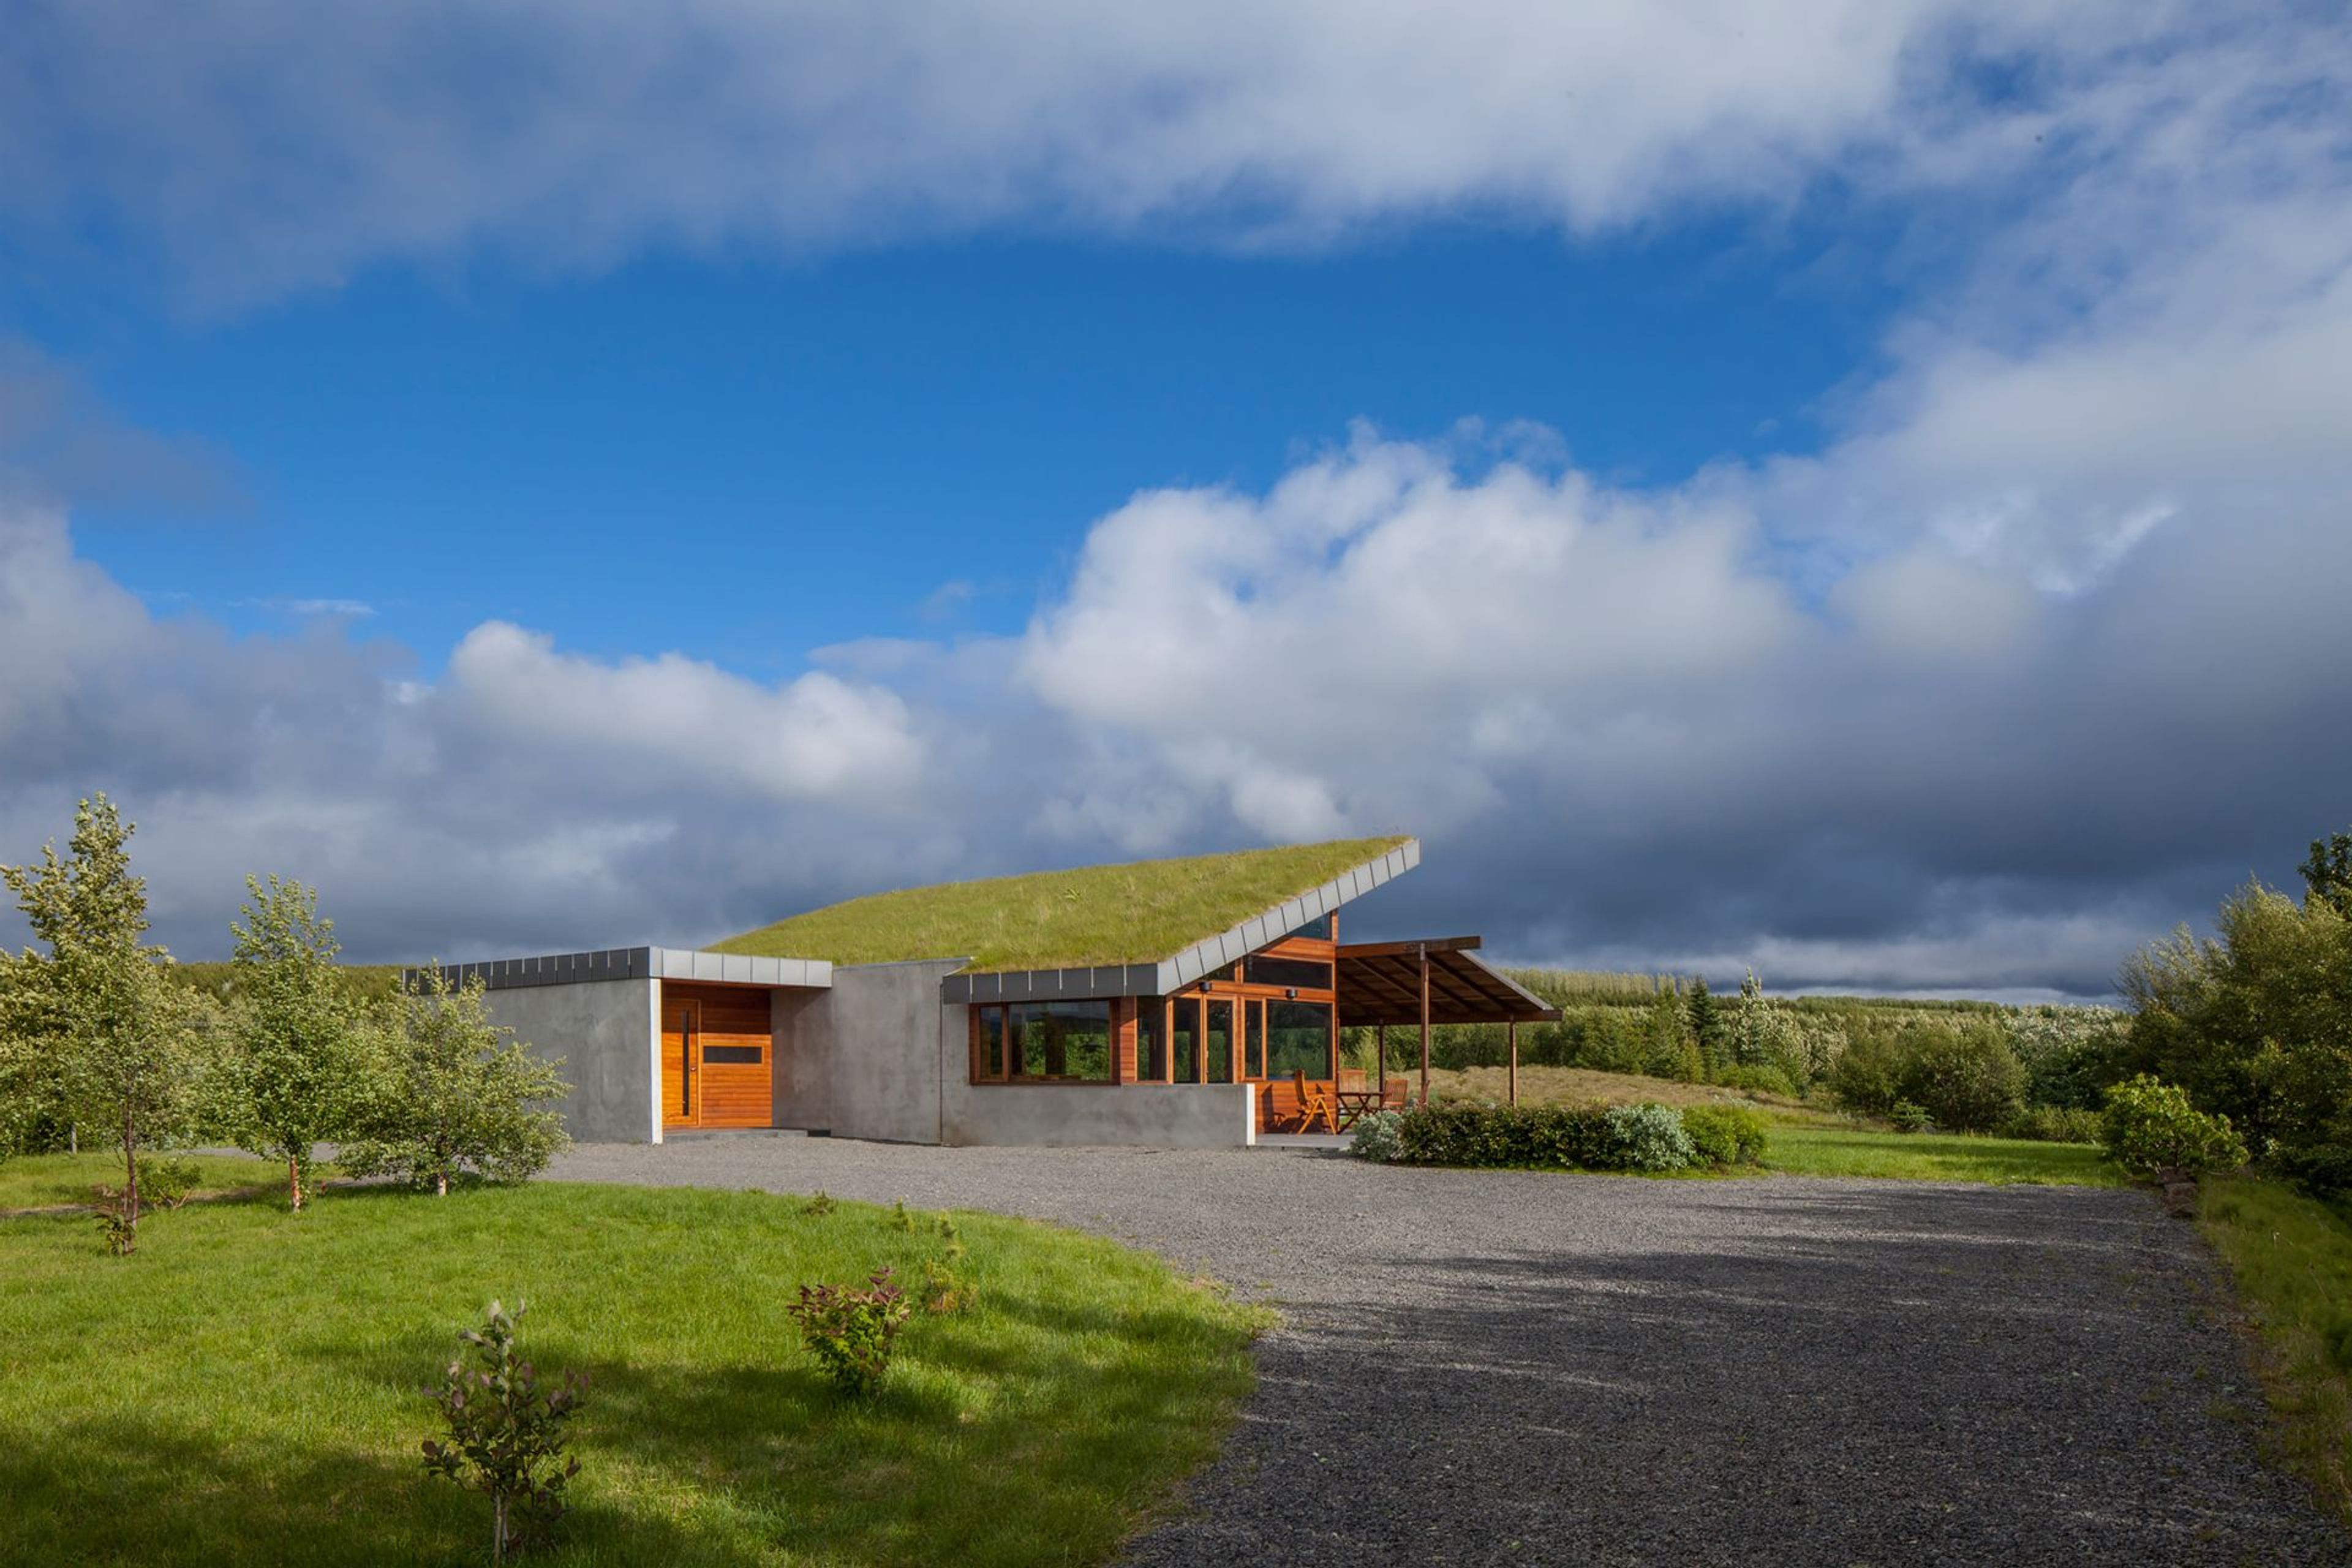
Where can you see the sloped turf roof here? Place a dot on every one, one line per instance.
(1141, 912)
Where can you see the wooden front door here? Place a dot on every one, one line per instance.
(718, 1057)
(681, 1058)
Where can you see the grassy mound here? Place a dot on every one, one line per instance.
(246, 1389)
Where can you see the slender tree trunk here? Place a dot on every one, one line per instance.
(129, 1180)
(441, 1182)
(294, 1179)
(498, 1542)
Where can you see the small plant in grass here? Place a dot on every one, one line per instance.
(1377, 1138)
(946, 1292)
(820, 1204)
(951, 1238)
(1725, 1134)
(506, 1434)
(2150, 1126)
(900, 1218)
(1908, 1116)
(1649, 1138)
(851, 1332)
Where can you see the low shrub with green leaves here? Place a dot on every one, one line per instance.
(1544, 1137)
(2054, 1124)
(1760, 1079)
(1648, 1138)
(2150, 1126)
(851, 1332)
(1377, 1138)
(1725, 1135)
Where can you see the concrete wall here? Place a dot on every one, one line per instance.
(862, 1060)
(1137, 1115)
(606, 1031)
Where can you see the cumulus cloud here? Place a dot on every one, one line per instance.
(2040, 651)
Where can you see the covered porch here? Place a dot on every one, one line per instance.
(1415, 985)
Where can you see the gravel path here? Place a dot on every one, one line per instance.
(1512, 1368)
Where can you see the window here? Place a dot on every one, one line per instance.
(1301, 973)
(1298, 1039)
(1151, 1041)
(732, 1056)
(1184, 1040)
(1317, 930)
(1218, 1041)
(1047, 1042)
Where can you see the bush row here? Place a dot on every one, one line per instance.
(1565, 1137)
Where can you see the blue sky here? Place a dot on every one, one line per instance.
(1861, 498)
(976, 402)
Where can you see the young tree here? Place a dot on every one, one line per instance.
(297, 1074)
(1706, 1021)
(458, 1095)
(114, 1043)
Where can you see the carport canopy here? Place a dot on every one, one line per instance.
(1438, 980)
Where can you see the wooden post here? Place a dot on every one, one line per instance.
(1424, 1024)
(1514, 1028)
(1381, 1050)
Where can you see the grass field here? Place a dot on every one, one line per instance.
(1937, 1157)
(50, 1181)
(2292, 1259)
(1136, 913)
(247, 1388)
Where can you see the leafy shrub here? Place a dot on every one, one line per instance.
(950, 1238)
(852, 1332)
(2054, 1124)
(1907, 1117)
(166, 1184)
(1866, 1077)
(2150, 1126)
(900, 1218)
(1725, 1134)
(820, 1204)
(506, 1433)
(1966, 1076)
(1759, 1080)
(1649, 1138)
(1377, 1138)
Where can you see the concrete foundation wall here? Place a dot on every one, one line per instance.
(606, 1033)
(1141, 1115)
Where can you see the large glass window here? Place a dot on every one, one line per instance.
(1252, 1016)
(1317, 929)
(990, 1062)
(1184, 1040)
(1298, 1039)
(1302, 973)
(1219, 1041)
(1066, 1042)
(1151, 1041)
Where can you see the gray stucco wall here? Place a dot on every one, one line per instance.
(605, 1031)
(1138, 1115)
(862, 1060)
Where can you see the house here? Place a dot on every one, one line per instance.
(1168, 1003)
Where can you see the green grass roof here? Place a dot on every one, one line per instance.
(1137, 913)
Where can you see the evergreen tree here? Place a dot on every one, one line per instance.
(1706, 1017)
(1750, 1045)
(458, 1095)
(297, 1073)
(99, 1035)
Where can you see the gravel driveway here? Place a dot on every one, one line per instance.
(1499, 1367)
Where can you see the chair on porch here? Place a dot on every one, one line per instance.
(1394, 1096)
(1315, 1112)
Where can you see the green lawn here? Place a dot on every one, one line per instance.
(246, 1389)
(1937, 1157)
(1138, 914)
(47, 1181)
(2292, 1259)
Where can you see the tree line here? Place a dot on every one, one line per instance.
(104, 1040)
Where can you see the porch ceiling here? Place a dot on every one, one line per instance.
(1380, 982)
